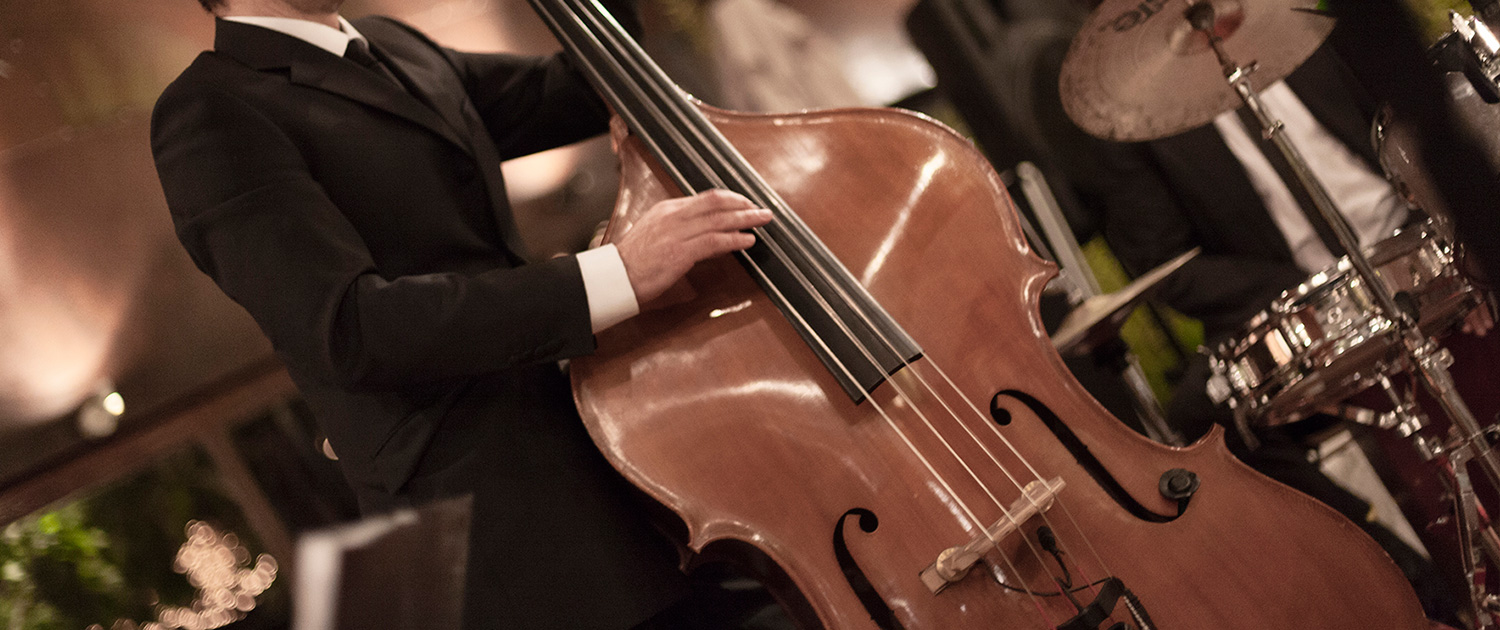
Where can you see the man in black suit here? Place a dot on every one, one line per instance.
(341, 181)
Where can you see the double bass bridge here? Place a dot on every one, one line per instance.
(953, 563)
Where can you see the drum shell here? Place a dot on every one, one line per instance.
(1326, 339)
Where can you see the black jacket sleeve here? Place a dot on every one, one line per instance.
(250, 212)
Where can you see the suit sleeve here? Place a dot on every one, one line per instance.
(1146, 226)
(250, 214)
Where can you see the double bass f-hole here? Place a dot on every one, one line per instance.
(762, 424)
(857, 341)
(1176, 484)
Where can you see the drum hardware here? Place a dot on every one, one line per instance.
(1481, 41)
(1406, 418)
(1487, 10)
(1326, 340)
(1358, 415)
(1428, 360)
(1469, 59)
(1137, 75)
(1425, 358)
(1476, 537)
(1096, 317)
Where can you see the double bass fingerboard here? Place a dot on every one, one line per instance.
(850, 333)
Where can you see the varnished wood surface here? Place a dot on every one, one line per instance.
(712, 404)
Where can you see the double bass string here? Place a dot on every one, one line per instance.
(904, 394)
(1089, 584)
(760, 187)
(696, 156)
(773, 241)
(1088, 542)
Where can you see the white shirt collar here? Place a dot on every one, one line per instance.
(321, 35)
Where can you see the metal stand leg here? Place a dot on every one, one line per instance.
(1146, 404)
(1479, 545)
(1466, 519)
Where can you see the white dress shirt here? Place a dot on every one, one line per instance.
(611, 299)
(1366, 199)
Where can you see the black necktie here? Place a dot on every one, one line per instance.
(1289, 176)
(359, 52)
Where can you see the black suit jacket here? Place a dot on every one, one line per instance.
(364, 225)
(1166, 196)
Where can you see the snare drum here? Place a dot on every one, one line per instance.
(1325, 340)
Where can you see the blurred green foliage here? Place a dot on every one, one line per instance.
(109, 556)
(47, 561)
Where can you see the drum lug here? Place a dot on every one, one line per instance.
(1409, 423)
(1405, 416)
(1219, 390)
(1429, 449)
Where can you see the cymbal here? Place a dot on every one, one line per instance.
(1138, 71)
(1098, 319)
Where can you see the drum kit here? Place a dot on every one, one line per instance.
(1372, 322)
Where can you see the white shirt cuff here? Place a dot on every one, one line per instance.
(611, 298)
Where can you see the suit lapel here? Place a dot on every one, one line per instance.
(308, 65)
(414, 60)
(446, 100)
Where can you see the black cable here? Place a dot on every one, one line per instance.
(1048, 541)
(1058, 593)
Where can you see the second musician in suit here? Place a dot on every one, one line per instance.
(1216, 187)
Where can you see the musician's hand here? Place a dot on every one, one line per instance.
(675, 234)
(1480, 321)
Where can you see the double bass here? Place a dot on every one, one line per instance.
(865, 402)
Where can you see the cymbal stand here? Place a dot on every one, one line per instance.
(1068, 254)
(1429, 361)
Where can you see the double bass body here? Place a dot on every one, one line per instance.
(713, 404)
